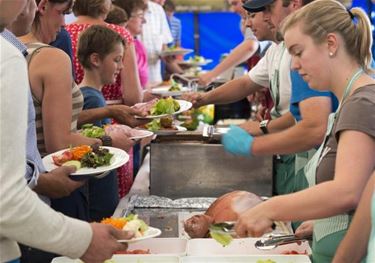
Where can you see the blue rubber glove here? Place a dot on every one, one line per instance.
(238, 141)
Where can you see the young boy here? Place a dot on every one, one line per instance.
(100, 51)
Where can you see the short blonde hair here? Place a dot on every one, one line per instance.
(322, 17)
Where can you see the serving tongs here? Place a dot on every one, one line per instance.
(226, 227)
(212, 133)
(275, 241)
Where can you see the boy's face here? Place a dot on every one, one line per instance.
(111, 65)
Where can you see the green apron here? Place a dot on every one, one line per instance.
(328, 232)
(283, 165)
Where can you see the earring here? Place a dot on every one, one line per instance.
(330, 54)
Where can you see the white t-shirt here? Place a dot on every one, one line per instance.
(155, 33)
(24, 218)
(264, 73)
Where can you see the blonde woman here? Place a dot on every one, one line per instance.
(331, 49)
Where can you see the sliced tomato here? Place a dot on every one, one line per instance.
(62, 158)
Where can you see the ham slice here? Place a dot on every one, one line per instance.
(145, 107)
(219, 211)
(126, 130)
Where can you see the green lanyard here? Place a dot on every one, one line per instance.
(347, 90)
(348, 87)
(310, 168)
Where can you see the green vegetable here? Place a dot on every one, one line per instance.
(98, 157)
(154, 125)
(135, 224)
(191, 125)
(91, 131)
(222, 238)
(165, 106)
(175, 86)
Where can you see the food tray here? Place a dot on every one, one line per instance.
(127, 259)
(239, 246)
(145, 259)
(162, 246)
(247, 259)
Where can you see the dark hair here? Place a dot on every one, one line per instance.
(92, 8)
(96, 39)
(116, 16)
(130, 5)
(169, 6)
(67, 11)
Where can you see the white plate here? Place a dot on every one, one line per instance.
(119, 158)
(195, 63)
(173, 52)
(170, 131)
(184, 106)
(144, 134)
(164, 91)
(150, 232)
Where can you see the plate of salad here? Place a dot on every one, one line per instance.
(173, 51)
(89, 160)
(159, 108)
(196, 61)
(134, 224)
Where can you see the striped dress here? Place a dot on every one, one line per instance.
(77, 102)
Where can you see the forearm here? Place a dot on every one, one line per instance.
(279, 124)
(231, 91)
(173, 67)
(298, 138)
(353, 247)
(238, 55)
(92, 115)
(291, 208)
(132, 90)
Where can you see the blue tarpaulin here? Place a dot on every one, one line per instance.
(218, 33)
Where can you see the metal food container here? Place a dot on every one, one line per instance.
(192, 165)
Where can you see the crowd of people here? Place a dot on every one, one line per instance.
(309, 64)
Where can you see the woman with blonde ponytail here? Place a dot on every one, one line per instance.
(331, 49)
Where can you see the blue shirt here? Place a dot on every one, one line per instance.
(302, 91)
(175, 27)
(93, 98)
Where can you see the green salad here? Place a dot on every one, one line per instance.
(165, 106)
(223, 238)
(92, 131)
(197, 59)
(175, 86)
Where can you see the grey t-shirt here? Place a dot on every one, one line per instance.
(357, 113)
